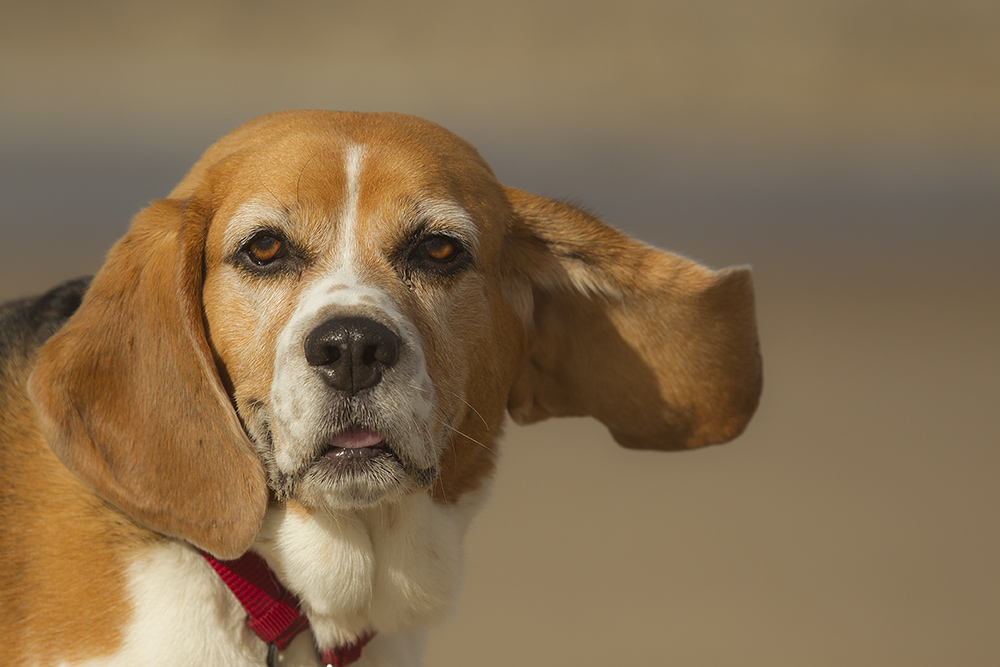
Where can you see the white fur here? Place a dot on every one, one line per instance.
(389, 567)
(394, 568)
(182, 615)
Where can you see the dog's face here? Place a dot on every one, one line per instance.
(351, 288)
(340, 308)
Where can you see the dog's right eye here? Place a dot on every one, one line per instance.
(265, 251)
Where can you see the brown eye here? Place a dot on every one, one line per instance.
(439, 255)
(440, 249)
(266, 252)
(264, 249)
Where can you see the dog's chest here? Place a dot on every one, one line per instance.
(380, 569)
(393, 569)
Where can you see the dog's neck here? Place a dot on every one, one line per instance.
(392, 567)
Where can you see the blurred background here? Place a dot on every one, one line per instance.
(849, 150)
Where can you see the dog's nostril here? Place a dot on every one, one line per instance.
(351, 353)
(322, 349)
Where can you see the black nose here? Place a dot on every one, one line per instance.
(351, 353)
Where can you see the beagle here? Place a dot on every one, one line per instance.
(258, 435)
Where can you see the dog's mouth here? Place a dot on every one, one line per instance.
(353, 450)
(353, 445)
(354, 467)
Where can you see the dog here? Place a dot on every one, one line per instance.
(257, 436)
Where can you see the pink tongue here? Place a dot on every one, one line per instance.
(356, 438)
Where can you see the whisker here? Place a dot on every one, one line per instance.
(459, 397)
(469, 437)
(471, 407)
(439, 483)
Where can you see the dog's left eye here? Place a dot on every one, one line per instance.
(439, 249)
(440, 254)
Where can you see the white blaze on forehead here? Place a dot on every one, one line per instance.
(347, 237)
(343, 288)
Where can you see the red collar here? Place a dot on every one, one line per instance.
(273, 611)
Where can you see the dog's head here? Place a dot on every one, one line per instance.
(339, 308)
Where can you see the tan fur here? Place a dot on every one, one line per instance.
(560, 315)
(672, 344)
(63, 550)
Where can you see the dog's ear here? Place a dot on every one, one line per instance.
(661, 350)
(130, 400)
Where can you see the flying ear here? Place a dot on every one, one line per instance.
(661, 350)
(129, 399)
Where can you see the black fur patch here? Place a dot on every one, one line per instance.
(27, 323)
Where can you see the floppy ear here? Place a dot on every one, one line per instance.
(129, 398)
(661, 350)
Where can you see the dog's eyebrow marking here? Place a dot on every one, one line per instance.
(253, 213)
(443, 215)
